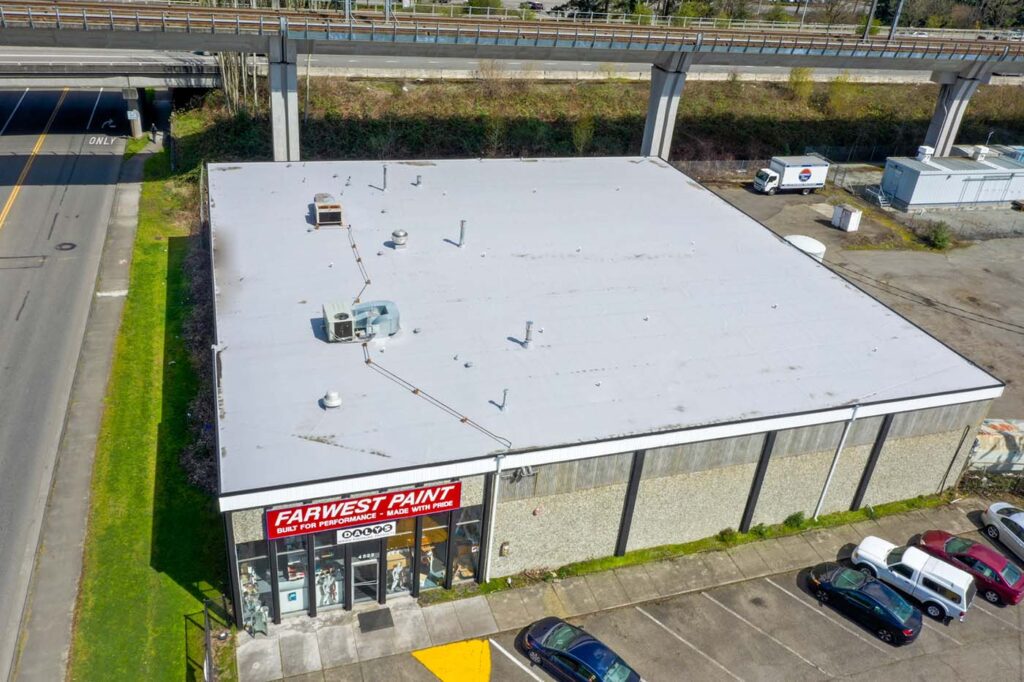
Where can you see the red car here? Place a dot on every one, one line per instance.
(998, 579)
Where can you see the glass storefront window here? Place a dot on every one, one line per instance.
(399, 569)
(433, 551)
(466, 543)
(365, 562)
(292, 574)
(329, 571)
(254, 585)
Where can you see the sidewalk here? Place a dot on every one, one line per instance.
(306, 646)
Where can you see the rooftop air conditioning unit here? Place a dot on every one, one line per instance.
(327, 210)
(339, 322)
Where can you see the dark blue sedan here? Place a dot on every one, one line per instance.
(569, 653)
(875, 605)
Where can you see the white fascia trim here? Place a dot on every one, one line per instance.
(394, 479)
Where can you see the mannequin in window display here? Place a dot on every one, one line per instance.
(323, 582)
(397, 577)
(332, 587)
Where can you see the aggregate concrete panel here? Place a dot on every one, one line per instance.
(908, 467)
(300, 653)
(475, 617)
(607, 590)
(575, 595)
(508, 609)
(442, 625)
(337, 645)
(675, 509)
(547, 532)
(637, 583)
(247, 525)
(792, 484)
(259, 661)
(843, 487)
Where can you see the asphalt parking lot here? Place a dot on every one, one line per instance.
(764, 629)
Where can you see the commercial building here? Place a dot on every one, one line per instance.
(527, 363)
(927, 181)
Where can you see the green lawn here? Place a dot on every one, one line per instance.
(155, 545)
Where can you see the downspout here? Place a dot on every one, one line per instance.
(835, 462)
(493, 503)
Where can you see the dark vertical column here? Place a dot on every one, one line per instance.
(311, 572)
(236, 590)
(382, 571)
(414, 588)
(275, 589)
(485, 528)
(869, 468)
(450, 558)
(348, 576)
(755, 486)
(629, 504)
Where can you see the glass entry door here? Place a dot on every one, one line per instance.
(365, 569)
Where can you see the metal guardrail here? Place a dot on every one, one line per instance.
(440, 32)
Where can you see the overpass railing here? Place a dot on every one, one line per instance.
(463, 32)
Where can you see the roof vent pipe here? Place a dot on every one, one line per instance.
(462, 233)
(399, 239)
(385, 187)
(331, 399)
(528, 338)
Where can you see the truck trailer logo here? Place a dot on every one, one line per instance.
(361, 511)
(805, 174)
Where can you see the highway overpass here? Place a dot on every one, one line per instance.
(960, 66)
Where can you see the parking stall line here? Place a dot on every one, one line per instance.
(681, 639)
(514, 660)
(988, 613)
(827, 617)
(940, 633)
(784, 646)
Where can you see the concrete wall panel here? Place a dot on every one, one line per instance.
(846, 479)
(792, 484)
(674, 509)
(908, 467)
(566, 528)
(247, 525)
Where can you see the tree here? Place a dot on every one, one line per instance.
(834, 11)
(733, 9)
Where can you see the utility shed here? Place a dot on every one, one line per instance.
(980, 180)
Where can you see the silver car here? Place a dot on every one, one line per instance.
(1005, 523)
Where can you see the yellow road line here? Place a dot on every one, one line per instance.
(31, 159)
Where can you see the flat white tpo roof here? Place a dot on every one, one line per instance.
(656, 307)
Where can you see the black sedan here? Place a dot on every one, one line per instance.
(876, 605)
(569, 653)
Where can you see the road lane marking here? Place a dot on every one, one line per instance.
(514, 660)
(784, 646)
(940, 633)
(28, 164)
(93, 113)
(827, 617)
(992, 615)
(13, 112)
(680, 638)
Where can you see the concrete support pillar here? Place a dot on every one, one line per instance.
(667, 81)
(131, 100)
(954, 93)
(284, 99)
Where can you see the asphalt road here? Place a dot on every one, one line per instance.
(59, 163)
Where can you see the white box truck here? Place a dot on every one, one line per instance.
(803, 174)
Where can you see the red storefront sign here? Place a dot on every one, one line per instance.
(360, 511)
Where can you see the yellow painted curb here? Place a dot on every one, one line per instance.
(459, 662)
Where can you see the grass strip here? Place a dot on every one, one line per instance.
(154, 548)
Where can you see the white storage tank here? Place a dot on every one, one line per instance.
(812, 247)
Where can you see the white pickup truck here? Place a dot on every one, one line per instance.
(944, 590)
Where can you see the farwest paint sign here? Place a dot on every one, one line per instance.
(360, 511)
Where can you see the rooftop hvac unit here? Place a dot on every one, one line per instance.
(360, 321)
(327, 210)
(339, 322)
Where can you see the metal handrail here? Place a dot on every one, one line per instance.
(361, 29)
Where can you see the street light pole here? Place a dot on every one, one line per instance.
(871, 18)
(896, 20)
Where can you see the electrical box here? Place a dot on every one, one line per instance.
(327, 210)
